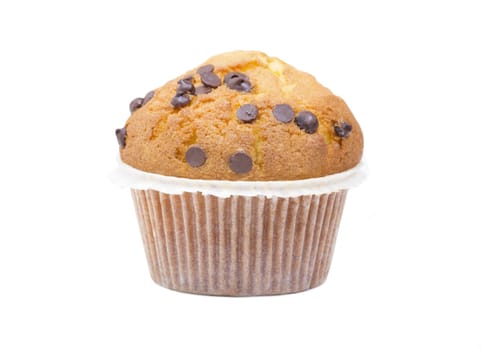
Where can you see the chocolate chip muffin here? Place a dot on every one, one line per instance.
(241, 116)
(239, 171)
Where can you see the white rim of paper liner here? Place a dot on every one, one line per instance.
(126, 176)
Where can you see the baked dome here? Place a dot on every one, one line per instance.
(241, 116)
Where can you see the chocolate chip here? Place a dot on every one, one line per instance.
(245, 86)
(247, 113)
(307, 121)
(195, 156)
(179, 101)
(202, 89)
(205, 69)
(240, 163)
(238, 81)
(185, 86)
(139, 102)
(343, 130)
(210, 79)
(148, 97)
(234, 76)
(121, 136)
(283, 113)
(136, 104)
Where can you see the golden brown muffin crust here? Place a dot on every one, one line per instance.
(159, 135)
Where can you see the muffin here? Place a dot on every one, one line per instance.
(239, 170)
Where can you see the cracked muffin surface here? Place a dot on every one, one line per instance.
(241, 116)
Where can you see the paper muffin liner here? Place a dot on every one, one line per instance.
(226, 240)
(238, 246)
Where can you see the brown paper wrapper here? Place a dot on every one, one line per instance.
(238, 246)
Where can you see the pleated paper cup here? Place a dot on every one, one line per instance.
(238, 238)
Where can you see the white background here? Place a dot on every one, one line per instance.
(407, 270)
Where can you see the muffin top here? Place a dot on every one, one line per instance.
(241, 116)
